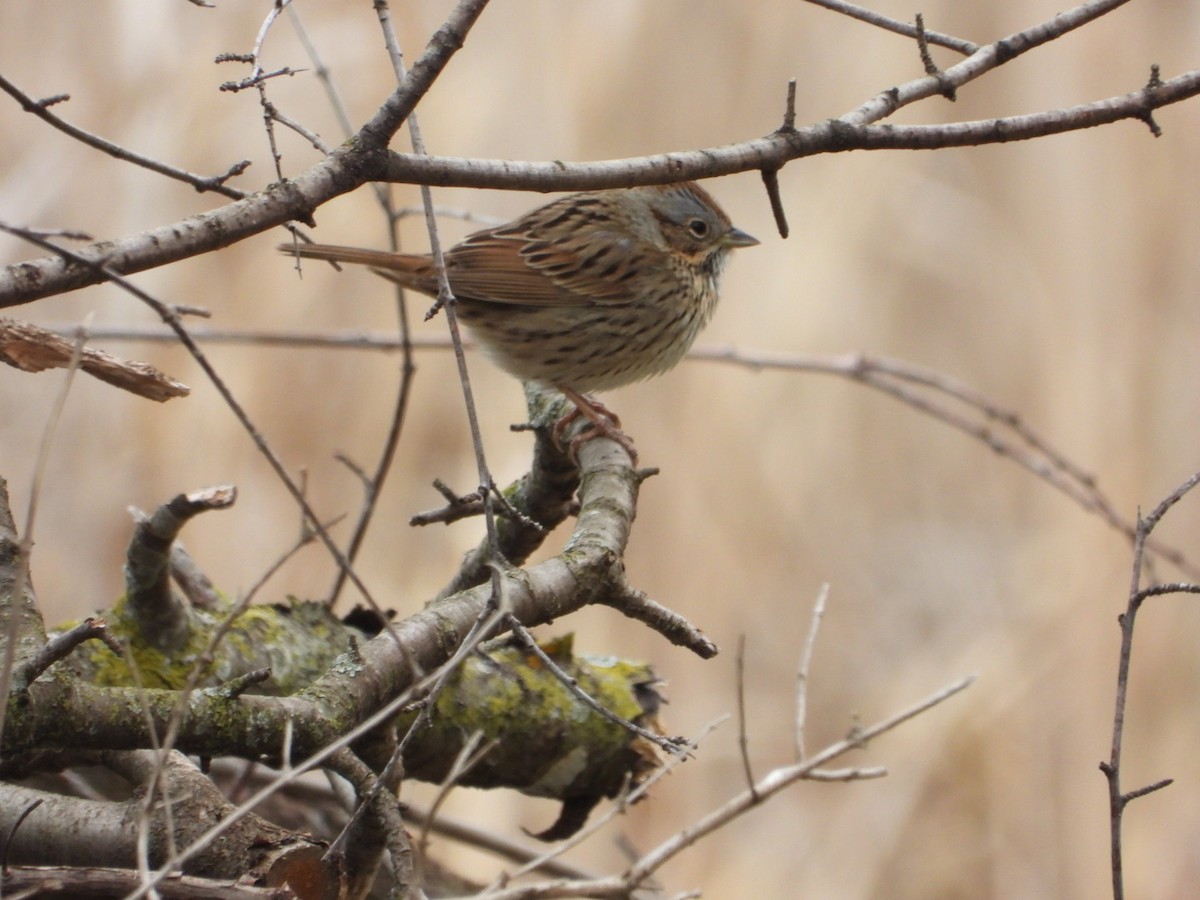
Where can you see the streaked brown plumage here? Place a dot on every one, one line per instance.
(587, 293)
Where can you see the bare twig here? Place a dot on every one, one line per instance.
(1001, 429)
(1118, 800)
(743, 737)
(894, 25)
(258, 78)
(61, 645)
(765, 788)
(91, 881)
(491, 842)
(853, 131)
(24, 541)
(810, 641)
(195, 584)
(927, 58)
(777, 780)
(615, 810)
(306, 537)
(461, 213)
(446, 301)
(467, 505)
(172, 319)
(321, 71)
(668, 744)
(338, 340)
(472, 753)
(391, 442)
(670, 624)
(39, 108)
(238, 685)
(1025, 447)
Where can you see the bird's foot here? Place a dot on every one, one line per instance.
(602, 422)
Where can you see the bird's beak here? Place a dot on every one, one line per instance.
(735, 237)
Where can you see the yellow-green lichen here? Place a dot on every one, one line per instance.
(298, 641)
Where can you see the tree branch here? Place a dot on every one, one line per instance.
(348, 167)
(365, 158)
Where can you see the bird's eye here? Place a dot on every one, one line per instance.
(698, 228)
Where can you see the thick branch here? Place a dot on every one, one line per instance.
(160, 617)
(254, 726)
(20, 621)
(105, 833)
(772, 151)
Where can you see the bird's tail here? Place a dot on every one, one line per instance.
(413, 270)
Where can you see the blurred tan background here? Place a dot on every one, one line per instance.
(1057, 276)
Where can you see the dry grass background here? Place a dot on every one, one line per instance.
(1057, 276)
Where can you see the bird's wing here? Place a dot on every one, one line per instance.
(564, 254)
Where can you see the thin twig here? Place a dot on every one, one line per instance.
(810, 641)
(171, 318)
(25, 541)
(61, 646)
(895, 25)
(613, 811)
(39, 108)
(469, 756)
(373, 484)
(1117, 800)
(931, 67)
(1025, 447)
(446, 300)
(490, 841)
(743, 739)
(673, 745)
(321, 71)
(881, 373)
(779, 779)
(772, 783)
(307, 536)
(258, 78)
(670, 624)
(154, 783)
